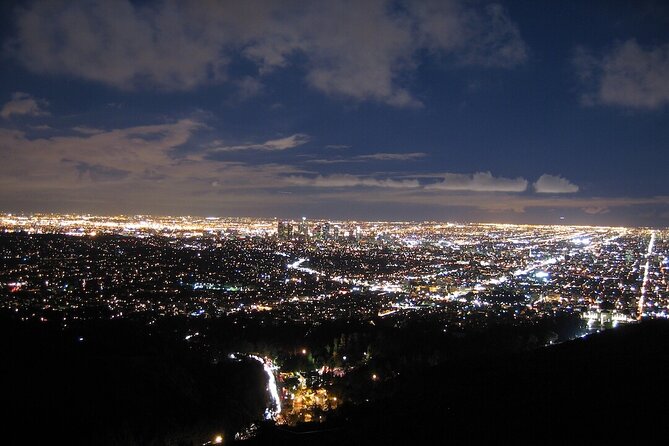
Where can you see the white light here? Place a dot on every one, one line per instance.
(270, 414)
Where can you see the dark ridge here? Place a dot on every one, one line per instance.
(114, 383)
(610, 385)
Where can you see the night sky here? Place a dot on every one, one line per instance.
(520, 112)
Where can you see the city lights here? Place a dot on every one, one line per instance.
(455, 278)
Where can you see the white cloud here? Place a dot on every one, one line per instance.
(23, 104)
(355, 49)
(554, 184)
(629, 75)
(288, 142)
(479, 182)
(53, 161)
(346, 180)
(137, 169)
(134, 168)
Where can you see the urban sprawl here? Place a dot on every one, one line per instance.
(457, 277)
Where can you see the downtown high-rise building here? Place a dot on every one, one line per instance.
(285, 230)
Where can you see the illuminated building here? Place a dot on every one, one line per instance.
(303, 228)
(325, 231)
(285, 230)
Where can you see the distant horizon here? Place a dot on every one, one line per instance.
(520, 112)
(4, 214)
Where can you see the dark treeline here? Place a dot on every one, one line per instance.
(608, 386)
(134, 382)
(113, 382)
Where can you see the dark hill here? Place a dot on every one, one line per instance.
(114, 383)
(123, 385)
(610, 385)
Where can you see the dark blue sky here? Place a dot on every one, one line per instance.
(537, 112)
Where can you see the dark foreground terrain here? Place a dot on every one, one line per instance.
(608, 386)
(114, 383)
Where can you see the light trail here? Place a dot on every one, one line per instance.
(270, 412)
(644, 282)
(387, 313)
(537, 265)
(373, 286)
(296, 265)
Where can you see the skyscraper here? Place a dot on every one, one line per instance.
(325, 231)
(285, 230)
(304, 228)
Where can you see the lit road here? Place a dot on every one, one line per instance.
(373, 286)
(268, 366)
(642, 294)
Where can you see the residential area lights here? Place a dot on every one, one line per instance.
(458, 278)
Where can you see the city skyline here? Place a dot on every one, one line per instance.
(375, 110)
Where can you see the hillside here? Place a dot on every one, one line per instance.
(610, 385)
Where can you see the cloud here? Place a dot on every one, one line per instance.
(392, 156)
(248, 87)
(478, 182)
(596, 210)
(337, 146)
(554, 184)
(362, 50)
(64, 161)
(288, 142)
(487, 37)
(628, 75)
(142, 169)
(97, 172)
(345, 180)
(331, 161)
(133, 169)
(497, 202)
(23, 104)
(87, 130)
(372, 157)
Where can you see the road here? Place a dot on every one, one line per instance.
(644, 282)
